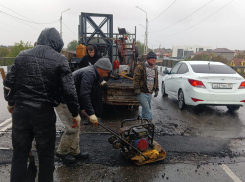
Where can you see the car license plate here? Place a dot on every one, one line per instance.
(222, 86)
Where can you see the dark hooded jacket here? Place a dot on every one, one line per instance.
(87, 60)
(39, 74)
(87, 81)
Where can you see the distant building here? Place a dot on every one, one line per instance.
(200, 52)
(237, 62)
(163, 53)
(225, 53)
(180, 52)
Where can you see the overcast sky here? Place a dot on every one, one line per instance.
(216, 23)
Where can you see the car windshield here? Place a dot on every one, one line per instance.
(212, 69)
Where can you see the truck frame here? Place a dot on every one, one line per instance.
(118, 91)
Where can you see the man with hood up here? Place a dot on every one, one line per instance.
(32, 89)
(91, 58)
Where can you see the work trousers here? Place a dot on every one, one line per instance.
(145, 102)
(69, 143)
(28, 123)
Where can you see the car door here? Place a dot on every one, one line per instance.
(170, 78)
(179, 78)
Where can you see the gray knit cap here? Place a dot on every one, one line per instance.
(104, 64)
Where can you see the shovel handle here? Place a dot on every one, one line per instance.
(126, 76)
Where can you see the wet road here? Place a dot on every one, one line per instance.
(201, 145)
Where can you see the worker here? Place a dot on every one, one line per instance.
(31, 88)
(90, 99)
(145, 83)
(91, 57)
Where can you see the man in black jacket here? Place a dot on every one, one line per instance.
(87, 80)
(32, 89)
(91, 57)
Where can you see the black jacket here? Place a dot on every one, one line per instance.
(39, 74)
(87, 60)
(89, 92)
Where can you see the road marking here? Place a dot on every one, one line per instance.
(7, 120)
(230, 173)
(6, 127)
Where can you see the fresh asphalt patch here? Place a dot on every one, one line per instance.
(102, 152)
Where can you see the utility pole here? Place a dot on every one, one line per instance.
(61, 22)
(146, 31)
(144, 40)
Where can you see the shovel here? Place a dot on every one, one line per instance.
(32, 169)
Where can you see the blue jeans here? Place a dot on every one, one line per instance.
(145, 101)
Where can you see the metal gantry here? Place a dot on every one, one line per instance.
(103, 40)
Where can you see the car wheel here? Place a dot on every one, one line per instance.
(163, 90)
(181, 100)
(232, 107)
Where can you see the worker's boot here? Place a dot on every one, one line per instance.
(66, 158)
(80, 156)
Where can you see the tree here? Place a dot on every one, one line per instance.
(4, 51)
(15, 50)
(220, 59)
(72, 45)
(140, 47)
(210, 57)
(202, 57)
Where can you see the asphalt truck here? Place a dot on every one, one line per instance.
(120, 48)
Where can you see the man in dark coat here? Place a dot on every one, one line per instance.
(91, 57)
(32, 89)
(87, 80)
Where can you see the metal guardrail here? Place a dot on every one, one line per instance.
(6, 61)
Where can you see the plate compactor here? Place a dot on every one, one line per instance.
(136, 142)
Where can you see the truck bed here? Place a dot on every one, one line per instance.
(120, 92)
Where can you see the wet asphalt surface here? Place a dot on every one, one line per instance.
(201, 145)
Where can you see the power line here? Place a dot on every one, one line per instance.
(14, 12)
(17, 28)
(200, 21)
(164, 10)
(22, 22)
(183, 18)
(69, 28)
(26, 20)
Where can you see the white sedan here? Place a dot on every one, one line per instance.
(205, 83)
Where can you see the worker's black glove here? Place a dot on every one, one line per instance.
(156, 93)
(137, 92)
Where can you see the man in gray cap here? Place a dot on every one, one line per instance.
(87, 82)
